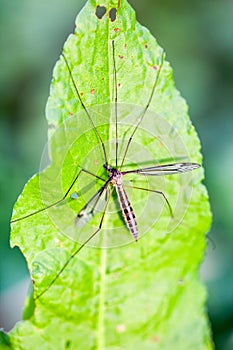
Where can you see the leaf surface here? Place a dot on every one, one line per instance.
(144, 295)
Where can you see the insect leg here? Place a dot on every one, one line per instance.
(60, 200)
(116, 97)
(155, 191)
(95, 198)
(144, 111)
(86, 110)
(78, 249)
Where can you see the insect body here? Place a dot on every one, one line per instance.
(126, 208)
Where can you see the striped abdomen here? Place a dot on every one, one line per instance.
(127, 211)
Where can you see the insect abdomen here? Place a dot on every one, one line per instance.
(127, 211)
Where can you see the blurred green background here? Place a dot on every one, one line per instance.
(198, 39)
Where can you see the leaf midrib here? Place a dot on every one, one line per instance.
(100, 328)
(103, 253)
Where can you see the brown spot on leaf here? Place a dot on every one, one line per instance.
(116, 30)
(155, 339)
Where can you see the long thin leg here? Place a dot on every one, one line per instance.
(86, 110)
(60, 200)
(143, 112)
(154, 191)
(76, 251)
(116, 98)
(95, 197)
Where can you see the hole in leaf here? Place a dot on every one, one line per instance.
(112, 14)
(100, 11)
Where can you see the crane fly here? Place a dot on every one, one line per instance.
(115, 174)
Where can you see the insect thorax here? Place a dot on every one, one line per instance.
(115, 176)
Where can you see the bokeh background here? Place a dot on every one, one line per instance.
(198, 39)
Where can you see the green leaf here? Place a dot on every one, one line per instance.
(144, 295)
(4, 341)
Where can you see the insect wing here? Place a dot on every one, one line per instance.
(93, 206)
(167, 169)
